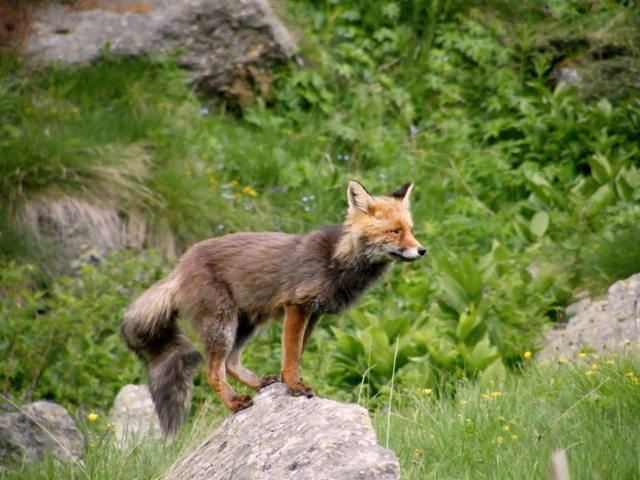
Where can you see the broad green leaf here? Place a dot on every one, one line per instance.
(603, 197)
(494, 374)
(600, 168)
(455, 295)
(468, 321)
(539, 224)
(480, 356)
(624, 190)
(544, 191)
(605, 106)
(627, 183)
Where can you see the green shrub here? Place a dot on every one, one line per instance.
(63, 343)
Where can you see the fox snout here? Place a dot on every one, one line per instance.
(408, 250)
(409, 254)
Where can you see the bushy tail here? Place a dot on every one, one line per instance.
(150, 329)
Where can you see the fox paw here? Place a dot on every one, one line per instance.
(269, 380)
(301, 389)
(240, 403)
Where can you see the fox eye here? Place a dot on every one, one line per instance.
(395, 232)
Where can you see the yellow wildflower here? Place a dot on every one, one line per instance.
(92, 417)
(527, 354)
(496, 394)
(250, 191)
(428, 391)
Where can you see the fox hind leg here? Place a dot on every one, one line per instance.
(234, 367)
(219, 347)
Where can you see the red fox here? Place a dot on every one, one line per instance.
(227, 286)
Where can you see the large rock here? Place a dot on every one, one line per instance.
(229, 46)
(282, 437)
(39, 428)
(608, 325)
(134, 417)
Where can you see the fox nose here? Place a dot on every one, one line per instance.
(422, 251)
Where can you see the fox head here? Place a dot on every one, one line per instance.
(379, 227)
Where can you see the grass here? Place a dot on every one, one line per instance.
(589, 407)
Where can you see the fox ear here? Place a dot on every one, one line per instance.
(402, 194)
(358, 197)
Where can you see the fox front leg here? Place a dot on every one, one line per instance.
(295, 325)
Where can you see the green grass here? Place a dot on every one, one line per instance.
(590, 407)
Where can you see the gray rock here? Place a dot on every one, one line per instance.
(134, 417)
(39, 428)
(227, 45)
(283, 437)
(607, 325)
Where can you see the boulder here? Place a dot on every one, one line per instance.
(282, 437)
(133, 416)
(228, 46)
(607, 325)
(39, 428)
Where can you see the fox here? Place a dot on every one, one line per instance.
(228, 286)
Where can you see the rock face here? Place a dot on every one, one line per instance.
(606, 325)
(229, 46)
(41, 427)
(134, 416)
(282, 437)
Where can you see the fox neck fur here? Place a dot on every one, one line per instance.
(328, 282)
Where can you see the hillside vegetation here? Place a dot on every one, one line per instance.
(518, 122)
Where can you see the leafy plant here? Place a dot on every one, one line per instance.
(63, 343)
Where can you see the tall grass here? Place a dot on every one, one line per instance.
(589, 407)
